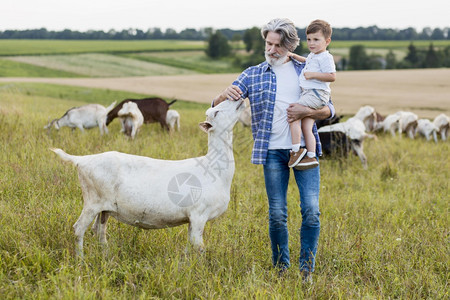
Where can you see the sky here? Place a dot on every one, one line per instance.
(84, 15)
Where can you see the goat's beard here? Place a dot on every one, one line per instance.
(278, 60)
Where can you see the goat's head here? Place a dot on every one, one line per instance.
(223, 117)
(51, 123)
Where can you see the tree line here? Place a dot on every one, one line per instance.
(219, 47)
(348, 34)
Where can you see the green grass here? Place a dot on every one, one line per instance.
(10, 68)
(384, 230)
(101, 65)
(191, 60)
(46, 47)
(56, 58)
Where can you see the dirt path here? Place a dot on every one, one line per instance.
(425, 92)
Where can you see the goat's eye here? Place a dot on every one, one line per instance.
(215, 114)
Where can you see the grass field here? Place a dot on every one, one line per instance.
(58, 58)
(101, 65)
(46, 47)
(384, 230)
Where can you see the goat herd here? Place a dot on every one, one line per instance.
(341, 137)
(337, 138)
(148, 193)
(133, 113)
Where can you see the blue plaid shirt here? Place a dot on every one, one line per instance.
(259, 85)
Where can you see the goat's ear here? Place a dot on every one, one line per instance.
(205, 126)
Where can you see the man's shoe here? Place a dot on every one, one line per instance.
(282, 272)
(307, 163)
(296, 157)
(307, 278)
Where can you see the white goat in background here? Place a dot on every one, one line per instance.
(131, 119)
(172, 119)
(427, 129)
(442, 124)
(153, 193)
(402, 121)
(84, 117)
(368, 115)
(407, 123)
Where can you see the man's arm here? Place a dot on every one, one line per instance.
(297, 111)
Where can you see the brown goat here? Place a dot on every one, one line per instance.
(153, 110)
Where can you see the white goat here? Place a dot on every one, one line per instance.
(368, 115)
(407, 123)
(131, 119)
(152, 193)
(442, 122)
(246, 117)
(172, 118)
(402, 121)
(389, 124)
(355, 130)
(84, 117)
(427, 129)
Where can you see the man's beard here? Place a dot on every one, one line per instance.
(278, 60)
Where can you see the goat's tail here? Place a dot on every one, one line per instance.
(172, 102)
(111, 107)
(63, 155)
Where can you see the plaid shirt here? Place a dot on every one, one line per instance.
(259, 85)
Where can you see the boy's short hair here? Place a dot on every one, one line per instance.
(320, 25)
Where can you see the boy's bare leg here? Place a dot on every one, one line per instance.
(296, 153)
(308, 161)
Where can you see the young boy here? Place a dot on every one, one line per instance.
(315, 80)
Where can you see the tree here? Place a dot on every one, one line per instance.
(391, 61)
(252, 39)
(437, 34)
(358, 59)
(218, 46)
(412, 56)
(431, 58)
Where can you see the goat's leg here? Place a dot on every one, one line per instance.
(102, 127)
(358, 149)
(196, 227)
(80, 227)
(133, 131)
(444, 134)
(99, 226)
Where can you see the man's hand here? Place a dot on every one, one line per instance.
(297, 111)
(232, 92)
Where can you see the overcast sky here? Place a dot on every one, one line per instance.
(83, 15)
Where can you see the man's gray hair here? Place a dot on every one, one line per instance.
(287, 31)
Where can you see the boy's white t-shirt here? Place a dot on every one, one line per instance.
(288, 91)
(323, 63)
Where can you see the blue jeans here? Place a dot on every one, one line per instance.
(276, 175)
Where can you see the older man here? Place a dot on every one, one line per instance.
(272, 88)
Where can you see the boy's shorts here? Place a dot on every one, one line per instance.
(314, 98)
